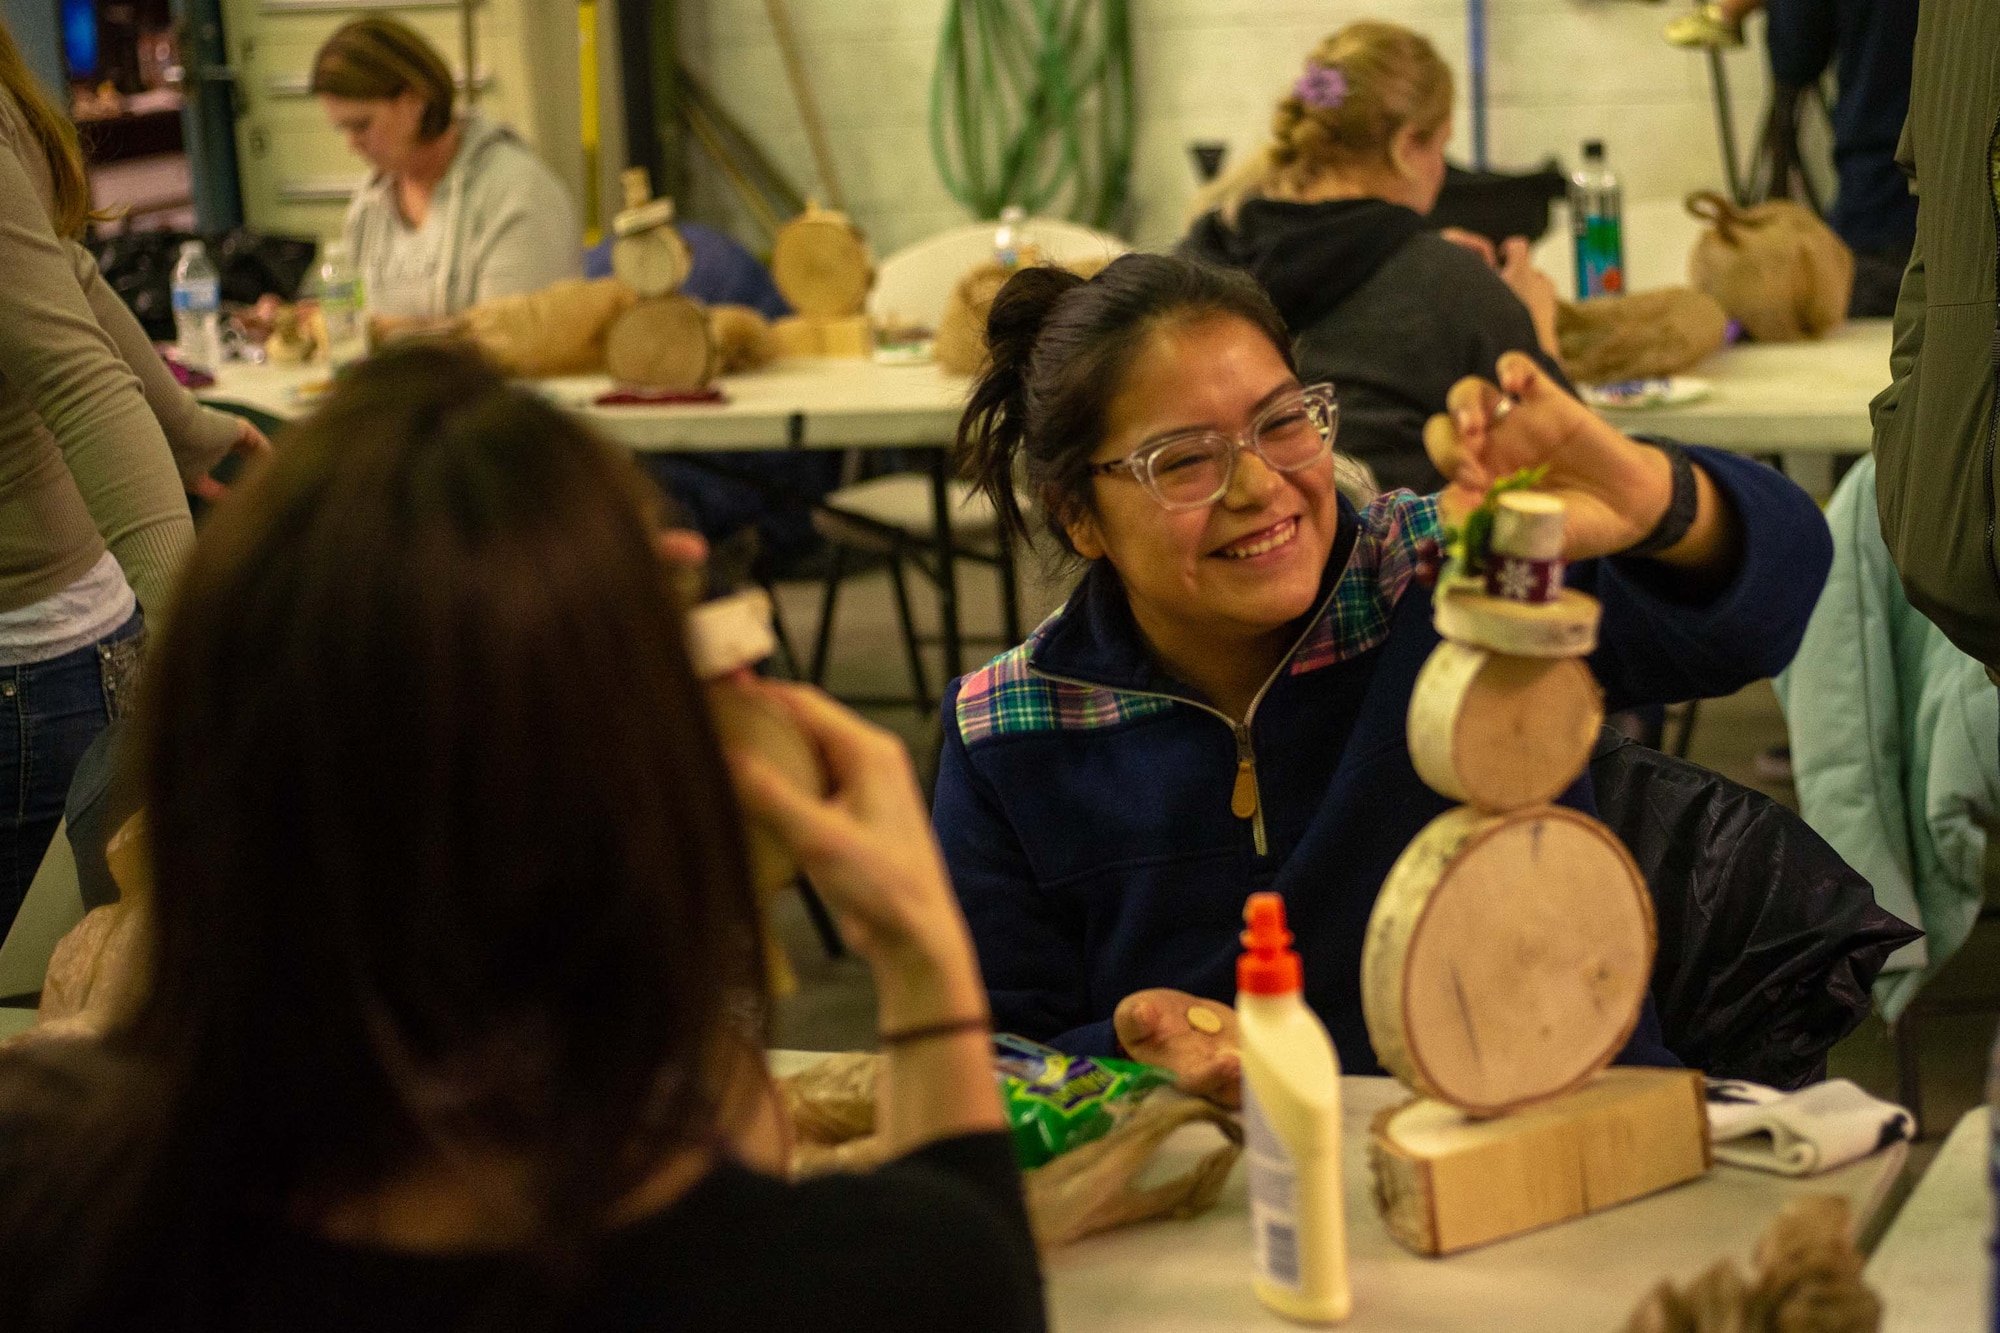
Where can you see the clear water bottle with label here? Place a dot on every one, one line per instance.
(197, 309)
(340, 307)
(1596, 218)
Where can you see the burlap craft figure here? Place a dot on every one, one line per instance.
(1807, 1280)
(1778, 270)
(742, 337)
(831, 1107)
(559, 330)
(961, 336)
(1642, 336)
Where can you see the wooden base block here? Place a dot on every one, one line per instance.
(1445, 1182)
(802, 335)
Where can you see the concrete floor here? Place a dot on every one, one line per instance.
(834, 1009)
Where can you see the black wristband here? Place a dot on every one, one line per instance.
(951, 1027)
(1673, 524)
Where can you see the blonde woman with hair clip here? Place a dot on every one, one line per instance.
(97, 443)
(1329, 218)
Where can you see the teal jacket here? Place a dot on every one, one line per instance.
(1895, 745)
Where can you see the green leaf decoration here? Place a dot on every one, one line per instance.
(1469, 546)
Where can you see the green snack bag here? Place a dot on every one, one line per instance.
(1056, 1102)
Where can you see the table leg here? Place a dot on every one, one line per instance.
(947, 566)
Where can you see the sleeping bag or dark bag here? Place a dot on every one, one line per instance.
(1769, 942)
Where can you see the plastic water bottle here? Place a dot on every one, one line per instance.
(1007, 238)
(197, 309)
(340, 306)
(1596, 216)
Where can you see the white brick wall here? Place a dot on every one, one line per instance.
(1559, 71)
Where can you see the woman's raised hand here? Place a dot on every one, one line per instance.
(1616, 489)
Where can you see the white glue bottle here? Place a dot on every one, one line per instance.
(1291, 1127)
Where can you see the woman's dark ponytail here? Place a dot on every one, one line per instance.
(1058, 349)
(995, 425)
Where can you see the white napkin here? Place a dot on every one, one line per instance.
(1799, 1133)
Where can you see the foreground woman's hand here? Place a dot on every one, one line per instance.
(868, 848)
(1616, 489)
(1153, 1027)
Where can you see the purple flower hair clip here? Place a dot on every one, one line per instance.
(1321, 87)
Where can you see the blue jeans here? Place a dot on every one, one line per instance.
(50, 712)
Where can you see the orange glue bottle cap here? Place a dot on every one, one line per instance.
(1267, 965)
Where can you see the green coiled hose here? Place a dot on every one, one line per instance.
(1031, 104)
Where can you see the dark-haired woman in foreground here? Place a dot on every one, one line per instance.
(456, 1009)
(1220, 706)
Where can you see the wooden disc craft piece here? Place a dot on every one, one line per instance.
(821, 265)
(1507, 957)
(654, 261)
(1502, 733)
(648, 255)
(1566, 627)
(663, 343)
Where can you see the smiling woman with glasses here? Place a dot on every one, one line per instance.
(1219, 708)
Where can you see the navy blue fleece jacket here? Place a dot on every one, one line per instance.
(1083, 797)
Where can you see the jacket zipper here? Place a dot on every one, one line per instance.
(1245, 800)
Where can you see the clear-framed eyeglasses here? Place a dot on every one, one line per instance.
(1192, 469)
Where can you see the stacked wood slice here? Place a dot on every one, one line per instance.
(663, 341)
(821, 265)
(1511, 946)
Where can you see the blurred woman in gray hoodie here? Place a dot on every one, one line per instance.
(458, 210)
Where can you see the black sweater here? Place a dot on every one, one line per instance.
(1392, 314)
(938, 1239)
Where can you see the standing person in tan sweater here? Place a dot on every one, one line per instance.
(97, 442)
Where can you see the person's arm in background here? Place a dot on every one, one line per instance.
(58, 355)
(199, 436)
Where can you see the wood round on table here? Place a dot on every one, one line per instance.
(663, 343)
(1507, 957)
(1566, 627)
(821, 265)
(1502, 732)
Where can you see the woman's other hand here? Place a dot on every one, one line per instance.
(1616, 489)
(1535, 288)
(1154, 1027)
(250, 445)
